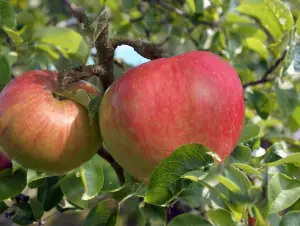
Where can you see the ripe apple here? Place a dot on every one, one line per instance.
(154, 108)
(5, 161)
(42, 132)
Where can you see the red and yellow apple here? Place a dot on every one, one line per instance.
(42, 132)
(154, 108)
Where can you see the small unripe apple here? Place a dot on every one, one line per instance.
(42, 132)
(154, 108)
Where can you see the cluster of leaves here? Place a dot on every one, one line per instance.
(258, 184)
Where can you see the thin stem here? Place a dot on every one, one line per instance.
(265, 76)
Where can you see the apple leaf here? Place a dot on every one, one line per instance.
(287, 96)
(247, 168)
(23, 214)
(66, 40)
(3, 207)
(7, 14)
(292, 158)
(186, 158)
(4, 71)
(282, 192)
(37, 208)
(220, 217)
(156, 215)
(276, 20)
(256, 45)
(104, 214)
(17, 39)
(291, 219)
(298, 26)
(91, 173)
(261, 102)
(274, 153)
(49, 193)
(12, 183)
(189, 219)
(249, 132)
(241, 154)
(73, 188)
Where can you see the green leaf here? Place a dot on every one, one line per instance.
(66, 40)
(186, 158)
(249, 131)
(292, 158)
(256, 45)
(189, 219)
(241, 154)
(295, 118)
(48, 49)
(298, 26)
(238, 181)
(7, 14)
(247, 168)
(261, 103)
(35, 179)
(11, 184)
(37, 208)
(93, 107)
(49, 193)
(73, 188)
(104, 214)
(3, 207)
(92, 177)
(129, 4)
(287, 96)
(4, 71)
(291, 219)
(156, 215)
(99, 25)
(277, 19)
(274, 153)
(220, 217)
(282, 192)
(17, 39)
(23, 215)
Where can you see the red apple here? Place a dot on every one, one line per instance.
(5, 161)
(154, 108)
(41, 132)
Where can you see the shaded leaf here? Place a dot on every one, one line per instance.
(189, 219)
(92, 177)
(17, 39)
(74, 190)
(291, 219)
(7, 14)
(186, 158)
(104, 214)
(282, 192)
(287, 96)
(4, 71)
(261, 103)
(220, 217)
(11, 184)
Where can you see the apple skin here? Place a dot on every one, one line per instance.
(5, 161)
(41, 132)
(154, 108)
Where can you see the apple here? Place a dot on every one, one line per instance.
(156, 107)
(5, 161)
(43, 132)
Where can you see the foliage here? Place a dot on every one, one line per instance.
(260, 180)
